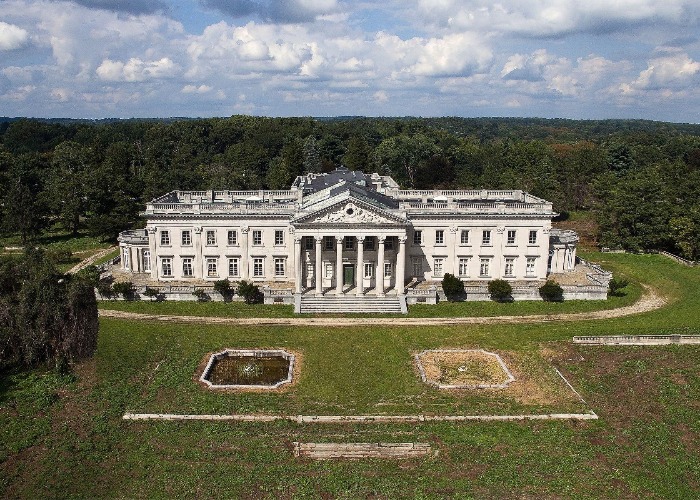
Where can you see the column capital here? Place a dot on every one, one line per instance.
(381, 239)
(198, 230)
(360, 239)
(245, 229)
(403, 239)
(297, 240)
(318, 239)
(152, 230)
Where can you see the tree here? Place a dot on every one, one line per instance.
(312, 156)
(125, 288)
(68, 183)
(452, 286)
(500, 290)
(551, 291)
(251, 293)
(23, 203)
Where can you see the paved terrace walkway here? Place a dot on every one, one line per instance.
(649, 301)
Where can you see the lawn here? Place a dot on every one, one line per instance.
(64, 437)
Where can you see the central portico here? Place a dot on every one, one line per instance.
(344, 244)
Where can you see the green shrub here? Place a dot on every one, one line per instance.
(616, 285)
(251, 293)
(551, 291)
(452, 286)
(200, 294)
(125, 288)
(224, 288)
(151, 293)
(500, 290)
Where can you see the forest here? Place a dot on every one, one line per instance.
(640, 180)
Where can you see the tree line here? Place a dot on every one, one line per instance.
(640, 179)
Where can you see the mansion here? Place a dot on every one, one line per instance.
(346, 233)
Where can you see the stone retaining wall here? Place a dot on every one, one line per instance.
(638, 340)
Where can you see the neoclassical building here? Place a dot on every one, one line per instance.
(348, 233)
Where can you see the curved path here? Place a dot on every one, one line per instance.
(649, 301)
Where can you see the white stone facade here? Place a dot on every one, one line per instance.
(348, 232)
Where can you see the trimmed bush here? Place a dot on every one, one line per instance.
(200, 294)
(500, 290)
(452, 286)
(224, 288)
(151, 293)
(616, 285)
(125, 288)
(551, 291)
(251, 293)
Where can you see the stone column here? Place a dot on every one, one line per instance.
(360, 266)
(245, 265)
(152, 235)
(298, 266)
(318, 275)
(401, 266)
(339, 265)
(379, 279)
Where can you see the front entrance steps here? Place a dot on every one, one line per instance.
(343, 304)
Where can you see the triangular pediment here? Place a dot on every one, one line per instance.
(350, 211)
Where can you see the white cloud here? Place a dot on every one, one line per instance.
(667, 71)
(136, 70)
(12, 37)
(193, 89)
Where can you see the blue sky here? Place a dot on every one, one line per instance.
(158, 58)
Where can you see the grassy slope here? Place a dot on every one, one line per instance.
(67, 439)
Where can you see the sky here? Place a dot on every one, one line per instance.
(592, 59)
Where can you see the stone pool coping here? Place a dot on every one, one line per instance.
(252, 353)
(509, 376)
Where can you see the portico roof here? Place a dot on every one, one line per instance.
(349, 208)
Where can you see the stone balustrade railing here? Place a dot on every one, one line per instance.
(216, 207)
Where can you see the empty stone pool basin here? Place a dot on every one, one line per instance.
(256, 369)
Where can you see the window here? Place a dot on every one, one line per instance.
(484, 267)
(329, 270)
(510, 237)
(258, 267)
(165, 238)
(279, 266)
(387, 270)
(166, 267)
(328, 242)
(308, 242)
(212, 271)
(187, 267)
(440, 237)
(464, 266)
(532, 239)
(125, 258)
(509, 266)
(417, 237)
(464, 237)
(530, 266)
(369, 270)
(186, 238)
(233, 267)
(438, 267)
(486, 237)
(417, 266)
(369, 243)
(232, 238)
(257, 237)
(349, 243)
(146, 259)
(211, 237)
(389, 243)
(279, 237)
(309, 269)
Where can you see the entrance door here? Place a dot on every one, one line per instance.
(348, 274)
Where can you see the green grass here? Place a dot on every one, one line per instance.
(66, 439)
(194, 308)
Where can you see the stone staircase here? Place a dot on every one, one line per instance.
(368, 304)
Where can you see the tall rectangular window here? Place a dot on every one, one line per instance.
(308, 242)
(485, 267)
(212, 268)
(329, 270)
(530, 266)
(166, 267)
(532, 239)
(417, 237)
(464, 266)
(464, 237)
(389, 242)
(369, 270)
(328, 242)
(279, 237)
(417, 266)
(486, 237)
(211, 237)
(233, 267)
(232, 237)
(165, 237)
(187, 271)
(439, 237)
(387, 270)
(146, 259)
(258, 267)
(509, 266)
(186, 238)
(279, 266)
(510, 237)
(369, 243)
(257, 237)
(438, 267)
(349, 243)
